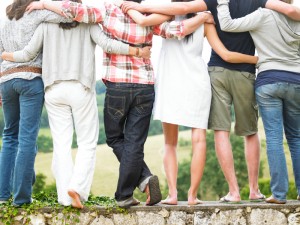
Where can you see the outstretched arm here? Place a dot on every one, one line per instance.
(72, 10)
(192, 24)
(246, 23)
(222, 51)
(287, 9)
(117, 47)
(52, 6)
(174, 8)
(30, 51)
(179, 29)
(149, 20)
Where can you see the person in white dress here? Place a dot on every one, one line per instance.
(183, 91)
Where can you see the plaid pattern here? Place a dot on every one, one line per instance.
(120, 68)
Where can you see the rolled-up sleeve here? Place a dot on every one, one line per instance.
(173, 29)
(83, 13)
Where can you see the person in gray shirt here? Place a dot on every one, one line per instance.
(22, 93)
(70, 98)
(277, 87)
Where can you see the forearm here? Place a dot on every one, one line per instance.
(235, 57)
(249, 22)
(174, 8)
(23, 56)
(54, 6)
(192, 24)
(287, 9)
(150, 20)
(225, 20)
(79, 12)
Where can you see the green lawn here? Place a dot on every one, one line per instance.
(106, 172)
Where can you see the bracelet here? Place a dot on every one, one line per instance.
(137, 52)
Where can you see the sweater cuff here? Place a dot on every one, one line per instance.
(124, 49)
(18, 56)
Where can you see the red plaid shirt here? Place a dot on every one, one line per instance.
(119, 68)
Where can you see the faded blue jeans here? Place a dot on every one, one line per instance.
(127, 114)
(22, 102)
(279, 105)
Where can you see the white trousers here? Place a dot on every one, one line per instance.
(70, 104)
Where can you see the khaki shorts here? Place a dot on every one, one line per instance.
(231, 87)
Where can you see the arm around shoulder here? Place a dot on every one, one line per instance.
(222, 51)
(289, 10)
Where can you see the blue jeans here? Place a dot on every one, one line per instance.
(127, 114)
(22, 102)
(279, 105)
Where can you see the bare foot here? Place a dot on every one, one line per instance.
(230, 199)
(194, 201)
(257, 197)
(76, 203)
(169, 200)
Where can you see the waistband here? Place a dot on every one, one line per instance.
(126, 85)
(29, 69)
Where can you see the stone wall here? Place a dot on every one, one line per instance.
(209, 213)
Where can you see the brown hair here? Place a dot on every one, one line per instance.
(71, 25)
(288, 1)
(17, 9)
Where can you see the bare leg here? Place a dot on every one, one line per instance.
(170, 161)
(252, 154)
(76, 203)
(225, 158)
(197, 163)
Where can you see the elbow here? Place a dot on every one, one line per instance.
(224, 26)
(292, 13)
(143, 23)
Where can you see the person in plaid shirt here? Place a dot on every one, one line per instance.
(129, 95)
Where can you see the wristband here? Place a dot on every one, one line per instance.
(137, 52)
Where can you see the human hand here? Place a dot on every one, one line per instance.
(8, 56)
(118, 2)
(35, 5)
(127, 5)
(145, 52)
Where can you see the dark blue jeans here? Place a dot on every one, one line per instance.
(22, 102)
(127, 114)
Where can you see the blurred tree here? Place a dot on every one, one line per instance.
(213, 182)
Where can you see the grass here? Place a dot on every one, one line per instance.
(107, 166)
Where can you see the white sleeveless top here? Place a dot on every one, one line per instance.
(182, 85)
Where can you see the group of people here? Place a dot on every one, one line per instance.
(183, 92)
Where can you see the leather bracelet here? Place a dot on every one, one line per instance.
(137, 52)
